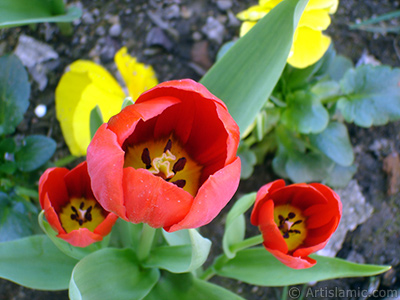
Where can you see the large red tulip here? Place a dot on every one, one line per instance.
(169, 160)
(296, 220)
(70, 207)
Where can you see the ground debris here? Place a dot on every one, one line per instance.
(391, 165)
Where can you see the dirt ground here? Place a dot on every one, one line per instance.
(180, 38)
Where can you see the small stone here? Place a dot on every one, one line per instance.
(157, 37)
(40, 110)
(200, 55)
(186, 13)
(87, 18)
(214, 30)
(100, 31)
(196, 36)
(115, 30)
(224, 4)
(391, 165)
(171, 12)
(32, 52)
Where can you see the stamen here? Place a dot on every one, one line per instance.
(73, 217)
(179, 165)
(82, 205)
(180, 183)
(146, 158)
(168, 146)
(291, 215)
(74, 209)
(297, 222)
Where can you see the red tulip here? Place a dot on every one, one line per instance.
(296, 220)
(70, 207)
(169, 160)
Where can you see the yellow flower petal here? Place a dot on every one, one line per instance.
(269, 3)
(253, 13)
(69, 92)
(138, 77)
(315, 19)
(329, 5)
(246, 26)
(308, 47)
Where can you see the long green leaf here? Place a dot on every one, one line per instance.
(257, 266)
(187, 287)
(111, 274)
(36, 263)
(246, 75)
(22, 12)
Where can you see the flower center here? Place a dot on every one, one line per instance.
(81, 213)
(291, 223)
(167, 159)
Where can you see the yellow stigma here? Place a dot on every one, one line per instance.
(81, 213)
(291, 223)
(167, 159)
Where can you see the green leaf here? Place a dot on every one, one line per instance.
(248, 160)
(22, 12)
(96, 120)
(15, 221)
(14, 92)
(188, 251)
(225, 47)
(335, 143)
(74, 252)
(8, 167)
(246, 75)
(235, 225)
(305, 113)
(371, 95)
(111, 274)
(308, 167)
(339, 66)
(257, 266)
(35, 151)
(339, 176)
(325, 89)
(7, 145)
(36, 263)
(187, 287)
(127, 101)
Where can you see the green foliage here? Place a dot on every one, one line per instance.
(111, 274)
(96, 120)
(310, 141)
(258, 266)
(188, 287)
(261, 55)
(21, 12)
(370, 95)
(36, 263)
(14, 93)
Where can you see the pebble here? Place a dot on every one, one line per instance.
(157, 37)
(32, 52)
(224, 4)
(171, 12)
(40, 110)
(214, 30)
(115, 30)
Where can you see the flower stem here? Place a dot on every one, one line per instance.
(247, 243)
(145, 242)
(284, 292)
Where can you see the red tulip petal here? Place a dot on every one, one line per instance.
(124, 123)
(104, 228)
(300, 195)
(52, 183)
(152, 200)
(272, 236)
(263, 196)
(51, 215)
(293, 262)
(309, 250)
(105, 164)
(182, 89)
(212, 196)
(321, 234)
(330, 195)
(82, 237)
(78, 182)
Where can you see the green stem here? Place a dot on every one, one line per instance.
(223, 259)
(284, 292)
(145, 242)
(247, 243)
(331, 99)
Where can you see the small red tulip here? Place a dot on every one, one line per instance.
(70, 207)
(169, 160)
(296, 220)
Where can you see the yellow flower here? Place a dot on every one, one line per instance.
(86, 84)
(309, 44)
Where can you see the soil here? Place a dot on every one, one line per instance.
(172, 37)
